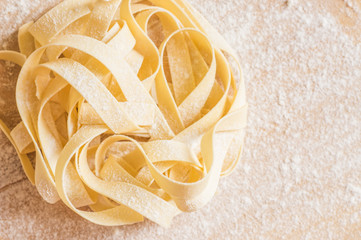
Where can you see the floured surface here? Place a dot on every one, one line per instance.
(299, 175)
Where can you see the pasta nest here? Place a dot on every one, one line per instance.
(131, 107)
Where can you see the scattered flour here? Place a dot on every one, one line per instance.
(300, 172)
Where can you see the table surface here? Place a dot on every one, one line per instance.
(300, 171)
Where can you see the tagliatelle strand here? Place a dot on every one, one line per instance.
(131, 107)
(25, 162)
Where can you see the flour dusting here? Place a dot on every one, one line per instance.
(299, 176)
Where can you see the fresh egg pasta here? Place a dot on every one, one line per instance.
(131, 107)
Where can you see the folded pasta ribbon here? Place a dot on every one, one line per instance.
(131, 107)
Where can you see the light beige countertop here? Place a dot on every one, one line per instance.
(299, 177)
